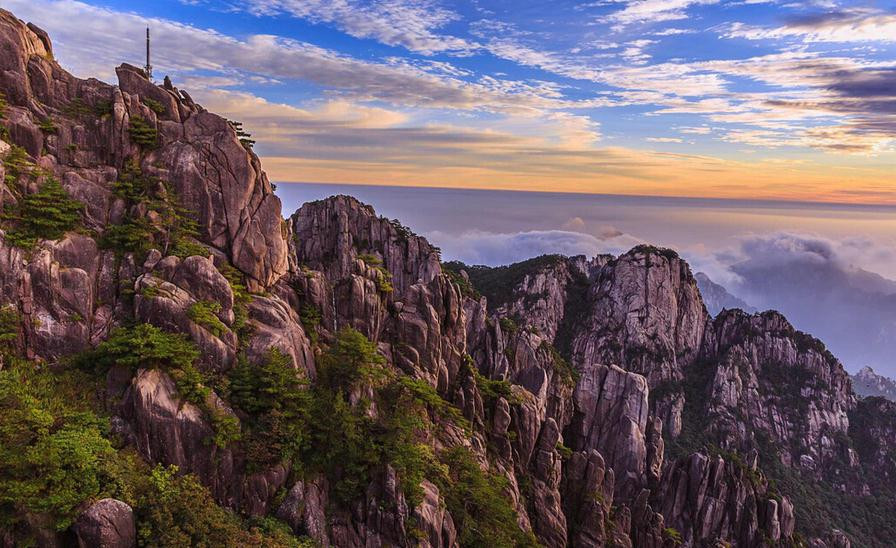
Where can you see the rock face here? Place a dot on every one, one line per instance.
(613, 408)
(612, 418)
(218, 179)
(710, 498)
(107, 523)
(782, 383)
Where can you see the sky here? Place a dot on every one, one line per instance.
(748, 99)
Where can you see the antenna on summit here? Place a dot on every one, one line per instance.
(148, 67)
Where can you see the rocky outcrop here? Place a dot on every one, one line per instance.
(646, 313)
(588, 487)
(777, 381)
(611, 418)
(107, 523)
(356, 269)
(197, 152)
(710, 499)
(168, 430)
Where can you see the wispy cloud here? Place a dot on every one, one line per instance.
(857, 25)
(413, 24)
(493, 249)
(654, 11)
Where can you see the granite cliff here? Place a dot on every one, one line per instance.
(179, 365)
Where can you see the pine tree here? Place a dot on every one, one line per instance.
(47, 214)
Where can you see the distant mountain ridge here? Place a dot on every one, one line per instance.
(867, 383)
(717, 298)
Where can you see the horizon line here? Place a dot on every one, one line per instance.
(768, 202)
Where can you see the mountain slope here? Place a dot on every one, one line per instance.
(245, 380)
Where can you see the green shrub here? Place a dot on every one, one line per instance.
(77, 108)
(339, 442)
(241, 300)
(508, 326)
(142, 133)
(131, 236)
(348, 442)
(154, 105)
(16, 163)
(384, 277)
(646, 249)
(133, 185)
(478, 503)
(273, 385)
(499, 284)
(47, 126)
(567, 373)
(205, 313)
(102, 108)
(191, 384)
(175, 229)
(371, 260)
(47, 214)
(52, 449)
(9, 328)
(564, 451)
(244, 136)
(144, 346)
(276, 400)
(54, 459)
(671, 534)
(384, 281)
(352, 359)
(493, 389)
(3, 105)
(420, 394)
(147, 346)
(453, 271)
(228, 428)
(175, 510)
(310, 318)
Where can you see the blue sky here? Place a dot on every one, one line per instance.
(749, 98)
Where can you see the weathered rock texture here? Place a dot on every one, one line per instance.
(107, 523)
(633, 418)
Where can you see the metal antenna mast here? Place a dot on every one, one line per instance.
(148, 67)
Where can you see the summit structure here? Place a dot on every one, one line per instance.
(148, 67)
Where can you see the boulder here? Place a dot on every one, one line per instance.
(107, 523)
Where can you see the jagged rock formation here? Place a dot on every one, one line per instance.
(598, 398)
(867, 383)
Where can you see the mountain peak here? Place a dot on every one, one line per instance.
(867, 383)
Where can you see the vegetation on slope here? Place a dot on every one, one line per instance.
(819, 506)
(57, 454)
(162, 222)
(46, 214)
(499, 283)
